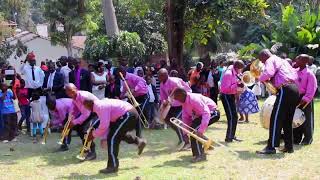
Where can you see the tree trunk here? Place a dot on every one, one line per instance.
(110, 18)
(69, 44)
(175, 30)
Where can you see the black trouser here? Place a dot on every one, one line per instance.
(142, 100)
(196, 146)
(214, 94)
(81, 130)
(306, 129)
(118, 132)
(229, 105)
(176, 112)
(282, 116)
(10, 126)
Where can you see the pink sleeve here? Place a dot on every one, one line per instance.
(103, 129)
(140, 86)
(204, 110)
(185, 86)
(311, 88)
(227, 85)
(162, 94)
(186, 117)
(268, 72)
(84, 115)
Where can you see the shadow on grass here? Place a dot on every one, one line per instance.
(263, 142)
(248, 155)
(182, 161)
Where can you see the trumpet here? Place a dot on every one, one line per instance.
(66, 130)
(206, 142)
(134, 102)
(45, 134)
(87, 144)
(255, 70)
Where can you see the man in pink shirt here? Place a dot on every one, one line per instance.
(82, 117)
(198, 112)
(139, 89)
(283, 76)
(167, 85)
(117, 119)
(229, 84)
(307, 84)
(59, 110)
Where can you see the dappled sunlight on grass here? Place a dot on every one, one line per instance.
(160, 159)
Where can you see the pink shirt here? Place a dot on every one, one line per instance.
(109, 110)
(78, 106)
(172, 83)
(279, 71)
(307, 84)
(137, 83)
(229, 82)
(195, 106)
(63, 107)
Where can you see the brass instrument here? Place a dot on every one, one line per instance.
(66, 130)
(247, 79)
(134, 102)
(45, 134)
(255, 69)
(87, 144)
(207, 143)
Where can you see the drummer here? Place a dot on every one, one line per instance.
(307, 84)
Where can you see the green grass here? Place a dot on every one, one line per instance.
(161, 160)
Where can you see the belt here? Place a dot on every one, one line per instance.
(285, 84)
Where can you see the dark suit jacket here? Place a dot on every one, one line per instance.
(58, 84)
(85, 80)
(112, 94)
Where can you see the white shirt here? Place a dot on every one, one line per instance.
(26, 70)
(37, 111)
(150, 93)
(50, 80)
(313, 68)
(65, 70)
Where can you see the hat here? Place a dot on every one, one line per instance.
(31, 56)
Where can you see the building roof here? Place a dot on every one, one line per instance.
(79, 41)
(8, 23)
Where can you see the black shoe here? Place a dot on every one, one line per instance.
(267, 150)
(305, 142)
(199, 158)
(109, 170)
(91, 156)
(286, 150)
(236, 139)
(228, 140)
(62, 149)
(141, 146)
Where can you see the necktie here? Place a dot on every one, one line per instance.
(33, 77)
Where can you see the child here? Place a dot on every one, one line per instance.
(247, 104)
(202, 86)
(9, 114)
(152, 102)
(22, 94)
(113, 89)
(36, 115)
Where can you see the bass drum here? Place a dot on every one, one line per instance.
(266, 111)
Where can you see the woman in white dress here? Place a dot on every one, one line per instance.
(99, 81)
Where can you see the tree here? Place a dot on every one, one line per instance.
(68, 18)
(110, 18)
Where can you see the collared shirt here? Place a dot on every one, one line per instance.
(229, 82)
(65, 70)
(79, 106)
(109, 110)
(211, 78)
(151, 94)
(167, 87)
(63, 107)
(195, 106)
(137, 83)
(50, 80)
(279, 71)
(26, 70)
(307, 84)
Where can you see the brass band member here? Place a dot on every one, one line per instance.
(283, 76)
(167, 85)
(117, 118)
(307, 84)
(199, 112)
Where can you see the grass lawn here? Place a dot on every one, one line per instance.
(160, 159)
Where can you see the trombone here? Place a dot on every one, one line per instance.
(66, 130)
(206, 142)
(45, 134)
(87, 144)
(134, 102)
